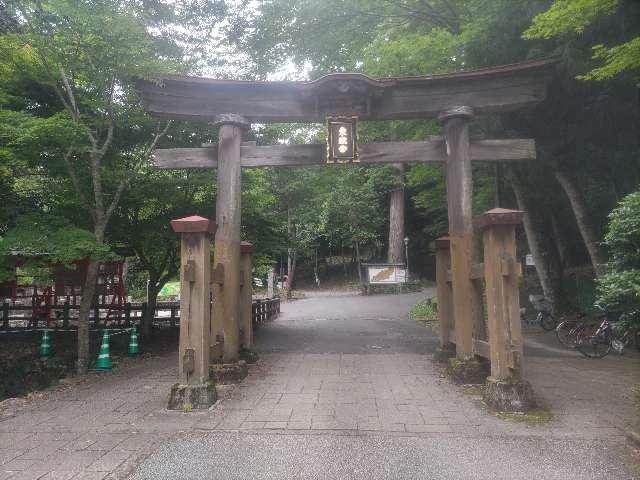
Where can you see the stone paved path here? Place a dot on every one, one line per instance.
(343, 390)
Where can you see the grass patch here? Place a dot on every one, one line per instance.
(424, 312)
(534, 417)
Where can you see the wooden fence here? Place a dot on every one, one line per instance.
(264, 310)
(167, 314)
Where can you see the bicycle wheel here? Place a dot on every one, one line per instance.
(547, 321)
(594, 346)
(566, 333)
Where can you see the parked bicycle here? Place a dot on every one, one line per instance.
(609, 335)
(544, 316)
(569, 330)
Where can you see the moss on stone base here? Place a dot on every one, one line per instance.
(467, 371)
(248, 355)
(443, 354)
(534, 417)
(192, 397)
(227, 373)
(512, 395)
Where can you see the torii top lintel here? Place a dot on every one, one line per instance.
(501, 88)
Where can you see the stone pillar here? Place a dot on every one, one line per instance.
(194, 389)
(506, 390)
(445, 300)
(459, 202)
(246, 294)
(227, 241)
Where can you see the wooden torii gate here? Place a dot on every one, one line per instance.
(454, 99)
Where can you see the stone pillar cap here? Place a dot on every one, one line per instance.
(193, 224)
(246, 247)
(500, 216)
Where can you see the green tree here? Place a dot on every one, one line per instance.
(586, 133)
(566, 17)
(620, 287)
(88, 56)
(142, 224)
(39, 239)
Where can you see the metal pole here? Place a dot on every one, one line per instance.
(406, 255)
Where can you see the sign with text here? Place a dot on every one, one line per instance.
(342, 146)
(381, 274)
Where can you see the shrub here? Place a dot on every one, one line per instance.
(425, 311)
(619, 289)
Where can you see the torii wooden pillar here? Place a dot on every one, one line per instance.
(459, 202)
(227, 241)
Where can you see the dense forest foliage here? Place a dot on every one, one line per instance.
(75, 143)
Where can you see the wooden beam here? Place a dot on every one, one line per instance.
(372, 153)
(481, 348)
(477, 271)
(501, 88)
(445, 297)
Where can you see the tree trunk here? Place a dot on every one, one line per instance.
(149, 314)
(587, 231)
(291, 273)
(344, 265)
(542, 248)
(559, 241)
(291, 253)
(358, 263)
(88, 292)
(396, 220)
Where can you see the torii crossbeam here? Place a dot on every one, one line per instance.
(432, 150)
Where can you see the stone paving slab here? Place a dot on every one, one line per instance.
(99, 428)
(376, 393)
(107, 426)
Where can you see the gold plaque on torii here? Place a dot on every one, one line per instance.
(342, 139)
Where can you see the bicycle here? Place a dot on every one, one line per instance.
(568, 331)
(606, 338)
(544, 317)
